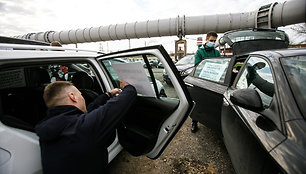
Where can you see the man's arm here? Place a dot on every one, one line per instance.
(197, 57)
(217, 53)
(99, 101)
(104, 120)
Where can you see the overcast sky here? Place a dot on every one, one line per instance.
(18, 17)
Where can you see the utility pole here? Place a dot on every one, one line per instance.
(100, 47)
(129, 43)
(107, 47)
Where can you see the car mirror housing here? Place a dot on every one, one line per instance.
(247, 98)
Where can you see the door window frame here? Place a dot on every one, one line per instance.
(146, 61)
(275, 99)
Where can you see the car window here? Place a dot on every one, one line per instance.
(247, 35)
(138, 63)
(295, 70)
(21, 90)
(212, 69)
(257, 75)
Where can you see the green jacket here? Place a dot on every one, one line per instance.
(204, 52)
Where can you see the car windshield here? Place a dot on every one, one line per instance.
(186, 60)
(295, 70)
(248, 35)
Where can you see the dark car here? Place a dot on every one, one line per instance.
(184, 67)
(254, 101)
(212, 76)
(153, 64)
(263, 114)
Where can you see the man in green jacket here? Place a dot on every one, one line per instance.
(208, 49)
(204, 51)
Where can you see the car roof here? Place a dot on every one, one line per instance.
(22, 51)
(288, 52)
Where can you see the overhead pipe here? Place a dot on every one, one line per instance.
(269, 16)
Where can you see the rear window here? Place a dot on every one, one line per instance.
(248, 35)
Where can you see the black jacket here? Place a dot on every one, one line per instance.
(74, 142)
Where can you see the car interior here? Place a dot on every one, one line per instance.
(140, 128)
(239, 61)
(21, 94)
(23, 106)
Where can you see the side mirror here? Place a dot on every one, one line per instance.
(247, 98)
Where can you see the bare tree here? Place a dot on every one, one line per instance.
(300, 32)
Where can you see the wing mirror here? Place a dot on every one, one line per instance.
(247, 98)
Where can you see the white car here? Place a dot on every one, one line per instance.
(26, 69)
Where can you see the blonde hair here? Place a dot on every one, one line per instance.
(53, 91)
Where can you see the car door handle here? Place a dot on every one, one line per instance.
(225, 102)
(188, 84)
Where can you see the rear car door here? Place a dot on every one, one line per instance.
(159, 110)
(206, 84)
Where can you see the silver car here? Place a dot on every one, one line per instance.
(26, 69)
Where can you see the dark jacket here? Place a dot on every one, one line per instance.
(74, 142)
(204, 52)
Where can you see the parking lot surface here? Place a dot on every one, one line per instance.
(202, 152)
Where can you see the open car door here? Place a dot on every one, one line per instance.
(159, 110)
(206, 85)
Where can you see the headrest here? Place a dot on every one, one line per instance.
(82, 80)
(38, 77)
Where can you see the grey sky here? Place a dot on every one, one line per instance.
(18, 17)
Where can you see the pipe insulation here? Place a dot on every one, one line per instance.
(274, 15)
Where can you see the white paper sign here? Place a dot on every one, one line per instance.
(134, 74)
(213, 71)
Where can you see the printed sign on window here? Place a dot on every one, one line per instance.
(12, 79)
(213, 71)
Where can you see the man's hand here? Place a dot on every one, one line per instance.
(123, 83)
(115, 92)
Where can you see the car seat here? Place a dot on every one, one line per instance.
(24, 107)
(84, 83)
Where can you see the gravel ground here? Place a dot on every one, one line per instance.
(202, 152)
